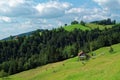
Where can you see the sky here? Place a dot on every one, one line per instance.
(20, 16)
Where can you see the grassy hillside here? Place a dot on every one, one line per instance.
(77, 26)
(101, 27)
(105, 66)
(88, 26)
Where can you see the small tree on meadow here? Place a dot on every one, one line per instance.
(3, 74)
(82, 23)
(65, 24)
(74, 22)
(111, 49)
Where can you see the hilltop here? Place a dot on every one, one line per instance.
(105, 66)
(88, 26)
(102, 24)
(76, 26)
(71, 27)
(22, 35)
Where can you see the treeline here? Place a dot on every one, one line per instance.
(76, 22)
(105, 22)
(49, 46)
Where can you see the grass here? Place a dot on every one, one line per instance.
(76, 26)
(101, 27)
(88, 26)
(103, 67)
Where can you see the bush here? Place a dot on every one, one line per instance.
(82, 23)
(3, 74)
(74, 22)
(111, 49)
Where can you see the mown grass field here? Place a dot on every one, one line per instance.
(76, 26)
(105, 66)
(88, 26)
(101, 27)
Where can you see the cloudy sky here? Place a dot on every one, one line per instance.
(19, 16)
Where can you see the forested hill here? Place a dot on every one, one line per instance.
(21, 35)
(99, 67)
(49, 46)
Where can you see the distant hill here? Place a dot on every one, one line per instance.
(101, 27)
(105, 22)
(21, 35)
(104, 66)
(88, 26)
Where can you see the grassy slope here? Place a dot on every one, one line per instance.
(101, 27)
(88, 26)
(103, 67)
(77, 26)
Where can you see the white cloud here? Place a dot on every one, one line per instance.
(29, 8)
(52, 9)
(16, 8)
(86, 14)
(5, 5)
(109, 4)
(75, 10)
(5, 19)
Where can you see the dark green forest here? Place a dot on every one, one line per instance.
(47, 46)
(105, 22)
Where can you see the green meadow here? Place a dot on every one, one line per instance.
(103, 66)
(101, 27)
(88, 26)
(76, 26)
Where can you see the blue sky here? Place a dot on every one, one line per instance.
(19, 16)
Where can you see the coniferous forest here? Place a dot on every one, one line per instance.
(47, 46)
